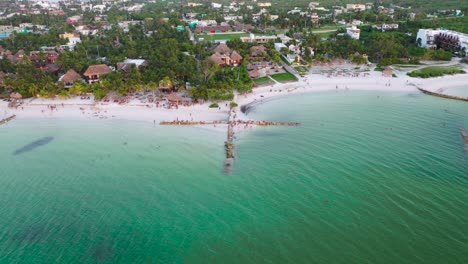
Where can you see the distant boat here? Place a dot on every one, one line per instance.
(33, 145)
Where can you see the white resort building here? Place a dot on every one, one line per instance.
(442, 38)
(258, 39)
(353, 32)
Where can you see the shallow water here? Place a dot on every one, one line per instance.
(457, 91)
(369, 177)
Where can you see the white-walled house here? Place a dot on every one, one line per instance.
(353, 32)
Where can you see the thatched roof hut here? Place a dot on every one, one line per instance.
(236, 56)
(174, 98)
(222, 48)
(97, 70)
(71, 76)
(16, 96)
(387, 72)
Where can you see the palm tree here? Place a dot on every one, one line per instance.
(152, 86)
(33, 89)
(166, 82)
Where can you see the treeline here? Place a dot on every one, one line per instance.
(31, 42)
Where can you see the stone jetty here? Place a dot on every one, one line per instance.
(232, 123)
(459, 98)
(191, 123)
(229, 144)
(8, 119)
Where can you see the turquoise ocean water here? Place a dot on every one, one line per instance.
(369, 177)
(457, 91)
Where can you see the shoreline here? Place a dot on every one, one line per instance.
(75, 108)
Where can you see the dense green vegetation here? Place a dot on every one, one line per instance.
(173, 59)
(436, 71)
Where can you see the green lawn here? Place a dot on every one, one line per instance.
(214, 37)
(436, 71)
(284, 77)
(263, 81)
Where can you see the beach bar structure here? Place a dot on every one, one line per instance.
(95, 72)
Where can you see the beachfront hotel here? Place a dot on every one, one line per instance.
(442, 38)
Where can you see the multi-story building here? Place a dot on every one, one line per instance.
(442, 38)
(355, 7)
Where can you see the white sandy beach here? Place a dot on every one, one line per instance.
(75, 108)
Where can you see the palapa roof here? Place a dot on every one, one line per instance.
(71, 76)
(127, 64)
(222, 48)
(16, 96)
(217, 58)
(254, 74)
(387, 71)
(99, 69)
(52, 67)
(122, 66)
(236, 56)
(173, 97)
(259, 48)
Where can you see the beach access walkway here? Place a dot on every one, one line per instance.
(275, 81)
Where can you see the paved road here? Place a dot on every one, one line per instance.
(324, 31)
